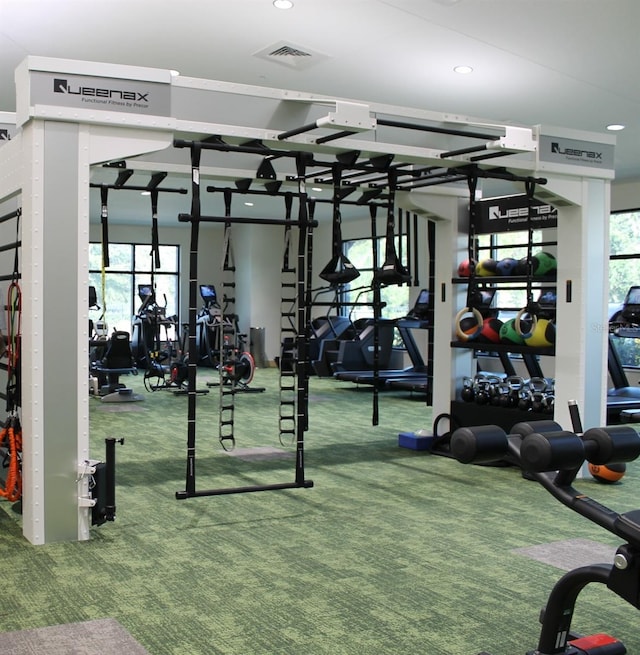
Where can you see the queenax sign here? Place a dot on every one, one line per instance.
(579, 153)
(510, 213)
(108, 94)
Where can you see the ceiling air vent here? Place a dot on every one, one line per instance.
(289, 51)
(291, 55)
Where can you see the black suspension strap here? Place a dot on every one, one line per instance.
(339, 270)
(288, 389)
(377, 312)
(104, 223)
(392, 270)
(472, 254)
(104, 244)
(531, 309)
(416, 252)
(192, 364)
(227, 336)
(303, 311)
(155, 241)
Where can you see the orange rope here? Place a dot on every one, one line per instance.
(12, 434)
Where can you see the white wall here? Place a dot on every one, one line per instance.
(625, 196)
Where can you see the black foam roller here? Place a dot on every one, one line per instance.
(551, 451)
(479, 445)
(529, 427)
(617, 443)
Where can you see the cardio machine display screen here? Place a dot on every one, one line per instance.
(208, 292)
(144, 291)
(633, 296)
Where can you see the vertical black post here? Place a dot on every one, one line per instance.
(302, 373)
(375, 418)
(192, 365)
(431, 287)
(416, 252)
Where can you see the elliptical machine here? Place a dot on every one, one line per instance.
(152, 345)
(554, 457)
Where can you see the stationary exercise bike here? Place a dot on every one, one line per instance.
(221, 344)
(554, 457)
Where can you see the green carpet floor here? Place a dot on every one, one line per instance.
(392, 552)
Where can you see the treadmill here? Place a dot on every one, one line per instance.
(417, 318)
(623, 397)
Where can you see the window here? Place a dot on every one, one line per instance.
(624, 260)
(130, 265)
(360, 254)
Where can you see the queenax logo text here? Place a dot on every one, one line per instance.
(575, 152)
(100, 95)
(538, 212)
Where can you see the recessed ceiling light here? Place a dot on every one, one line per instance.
(615, 127)
(248, 204)
(282, 4)
(174, 73)
(145, 193)
(463, 70)
(316, 188)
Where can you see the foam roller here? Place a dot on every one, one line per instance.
(551, 451)
(480, 444)
(618, 443)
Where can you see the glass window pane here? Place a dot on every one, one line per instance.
(143, 257)
(119, 257)
(115, 305)
(623, 273)
(624, 233)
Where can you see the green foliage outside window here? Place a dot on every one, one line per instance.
(624, 272)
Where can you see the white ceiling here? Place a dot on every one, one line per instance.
(570, 63)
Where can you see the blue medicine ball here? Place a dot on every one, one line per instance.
(506, 266)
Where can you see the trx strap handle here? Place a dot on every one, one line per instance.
(155, 242)
(392, 270)
(339, 270)
(470, 332)
(104, 222)
(530, 310)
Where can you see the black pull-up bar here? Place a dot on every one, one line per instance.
(437, 130)
(132, 187)
(187, 218)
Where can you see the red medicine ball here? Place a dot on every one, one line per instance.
(490, 332)
(466, 268)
